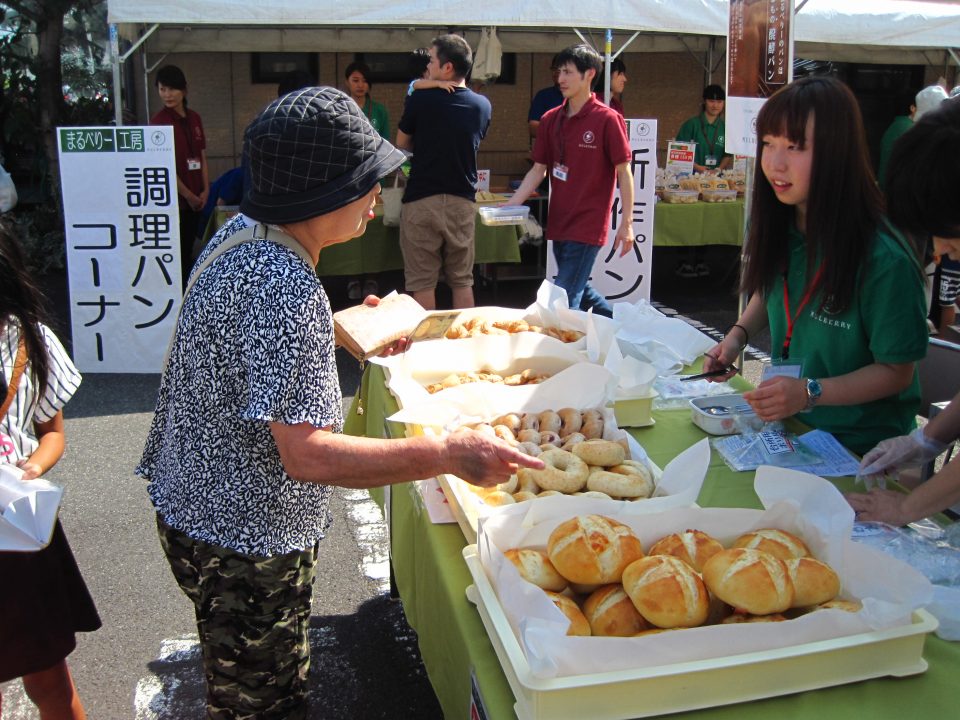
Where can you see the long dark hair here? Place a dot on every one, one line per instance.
(20, 299)
(844, 206)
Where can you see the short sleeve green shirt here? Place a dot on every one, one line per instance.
(885, 323)
(710, 139)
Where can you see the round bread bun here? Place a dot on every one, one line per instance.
(578, 623)
(550, 422)
(602, 453)
(752, 581)
(845, 605)
(592, 549)
(572, 439)
(528, 448)
(548, 437)
(667, 592)
(523, 495)
(694, 547)
(563, 471)
(625, 480)
(529, 421)
(506, 434)
(528, 435)
(570, 421)
(511, 420)
(499, 498)
(742, 618)
(778, 543)
(611, 613)
(814, 582)
(535, 567)
(591, 424)
(510, 486)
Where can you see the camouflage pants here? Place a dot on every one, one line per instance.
(252, 618)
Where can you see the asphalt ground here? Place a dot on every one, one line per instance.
(144, 662)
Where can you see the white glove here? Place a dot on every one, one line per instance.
(903, 451)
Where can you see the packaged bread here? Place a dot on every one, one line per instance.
(592, 549)
(578, 623)
(778, 543)
(814, 582)
(694, 547)
(667, 591)
(752, 581)
(611, 613)
(535, 567)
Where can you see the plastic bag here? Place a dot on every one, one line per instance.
(392, 203)
(770, 446)
(8, 191)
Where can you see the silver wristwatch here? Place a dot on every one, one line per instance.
(813, 393)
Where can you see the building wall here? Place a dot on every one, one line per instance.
(665, 86)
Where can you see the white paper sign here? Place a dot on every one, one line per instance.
(123, 245)
(627, 278)
(483, 180)
(742, 125)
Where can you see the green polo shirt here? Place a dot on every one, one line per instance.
(885, 323)
(898, 127)
(710, 138)
(377, 115)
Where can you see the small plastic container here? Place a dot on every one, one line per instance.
(681, 197)
(635, 411)
(719, 196)
(504, 214)
(723, 414)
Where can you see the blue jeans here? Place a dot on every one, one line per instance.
(574, 265)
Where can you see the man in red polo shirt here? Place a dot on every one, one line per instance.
(583, 145)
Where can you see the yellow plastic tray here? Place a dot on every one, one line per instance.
(666, 689)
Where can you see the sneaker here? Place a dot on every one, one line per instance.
(370, 287)
(685, 270)
(353, 290)
(702, 270)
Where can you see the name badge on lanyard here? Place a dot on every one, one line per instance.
(560, 172)
(710, 161)
(193, 164)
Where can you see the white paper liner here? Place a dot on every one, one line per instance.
(666, 343)
(803, 504)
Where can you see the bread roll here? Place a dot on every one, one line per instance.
(694, 547)
(741, 618)
(523, 495)
(814, 582)
(611, 613)
(752, 581)
(578, 623)
(600, 453)
(592, 549)
(499, 498)
(667, 591)
(535, 567)
(778, 543)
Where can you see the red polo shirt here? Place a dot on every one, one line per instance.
(188, 142)
(590, 144)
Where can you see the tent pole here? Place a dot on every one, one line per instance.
(607, 49)
(115, 65)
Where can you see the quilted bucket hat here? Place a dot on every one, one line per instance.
(309, 153)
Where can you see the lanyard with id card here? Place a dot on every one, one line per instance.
(781, 368)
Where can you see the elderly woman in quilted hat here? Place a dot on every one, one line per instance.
(245, 446)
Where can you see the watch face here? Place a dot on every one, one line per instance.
(813, 388)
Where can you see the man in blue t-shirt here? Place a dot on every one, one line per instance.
(443, 129)
(546, 99)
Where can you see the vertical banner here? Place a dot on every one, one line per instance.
(123, 245)
(627, 278)
(759, 62)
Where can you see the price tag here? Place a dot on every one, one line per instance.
(776, 443)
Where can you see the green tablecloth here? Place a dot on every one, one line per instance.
(378, 248)
(432, 578)
(698, 224)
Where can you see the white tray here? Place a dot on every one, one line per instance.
(646, 692)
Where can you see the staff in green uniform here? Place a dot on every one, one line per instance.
(841, 291)
(707, 130)
(901, 123)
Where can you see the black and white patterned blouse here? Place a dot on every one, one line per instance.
(18, 438)
(254, 345)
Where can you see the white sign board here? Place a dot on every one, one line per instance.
(123, 245)
(680, 155)
(627, 278)
(483, 180)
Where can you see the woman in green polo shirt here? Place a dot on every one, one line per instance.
(841, 291)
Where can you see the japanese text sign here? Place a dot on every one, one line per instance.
(123, 245)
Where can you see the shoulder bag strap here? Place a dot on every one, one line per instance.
(249, 234)
(19, 365)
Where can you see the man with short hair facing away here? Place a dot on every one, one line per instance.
(443, 130)
(583, 145)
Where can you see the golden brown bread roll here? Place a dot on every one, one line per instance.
(694, 547)
(752, 581)
(778, 543)
(550, 422)
(562, 471)
(535, 567)
(498, 498)
(667, 591)
(578, 623)
(611, 613)
(602, 453)
(591, 424)
(570, 421)
(814, 582)
(511, 420)
(592, 549)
